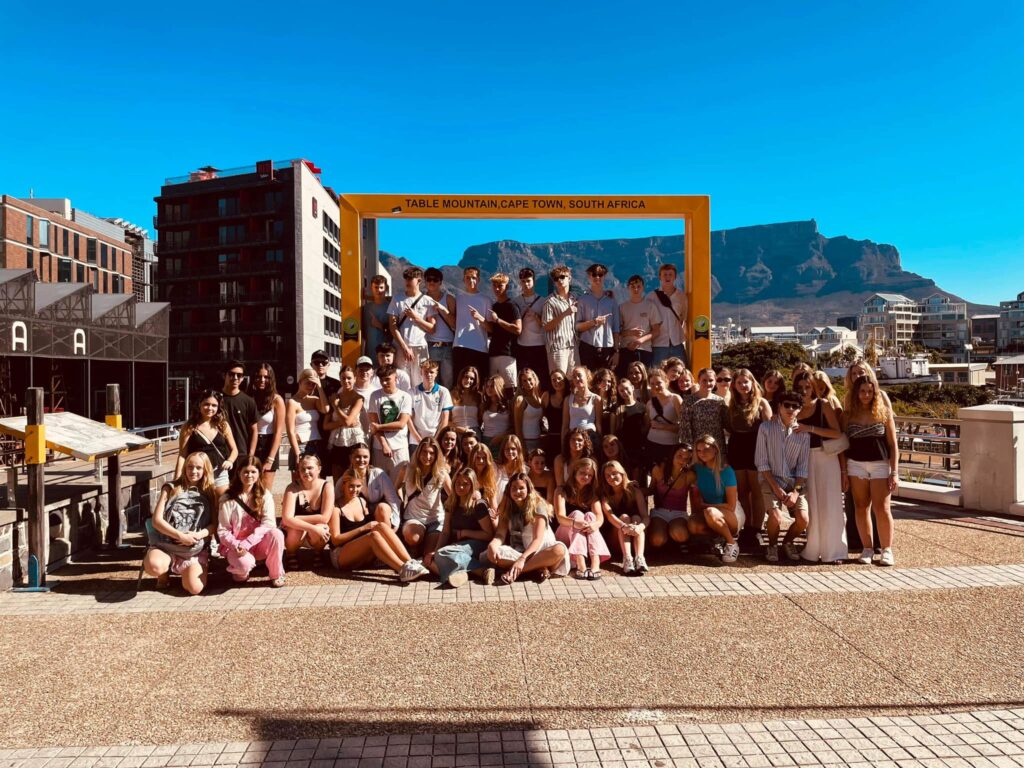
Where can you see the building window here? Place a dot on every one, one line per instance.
(227, 206)
(44, 233)
(103, 255)
(76, 245)
(234, 233)
(30, 259)
(65, 239)
(275, 255)
(90, 250)
(63, 271)
(79, 273)
(30, 223)
(272, 200)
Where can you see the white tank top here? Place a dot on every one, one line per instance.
(307, 425)
(495, 423)
(583, 415)
(265, 423)
(531, 421)
(465, 416)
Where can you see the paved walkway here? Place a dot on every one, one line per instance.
(978, 738)
(388, 591)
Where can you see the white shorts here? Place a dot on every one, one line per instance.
(868, 470)
(668, 515)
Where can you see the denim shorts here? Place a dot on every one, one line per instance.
(868, 470)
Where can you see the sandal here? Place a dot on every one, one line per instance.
(505, 578)
(543, 575)
(593, 575)
(581, 575)
(278, 582)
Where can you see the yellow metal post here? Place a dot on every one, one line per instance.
(351, 282)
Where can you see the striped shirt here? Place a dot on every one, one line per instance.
(592, 307)
(782, 452)
(564, 335)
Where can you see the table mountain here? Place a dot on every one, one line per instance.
(787, 273)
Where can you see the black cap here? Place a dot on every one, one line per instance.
(319, 353)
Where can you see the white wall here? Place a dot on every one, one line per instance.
(309, 265)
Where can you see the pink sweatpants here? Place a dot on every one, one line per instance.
(269, 548)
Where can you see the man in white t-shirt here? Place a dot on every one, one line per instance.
(640, 322)
(431, 406)
(366, 385)
(471, 311)
(531, 345)
(409, 324)
(671, 303)
(390, 413)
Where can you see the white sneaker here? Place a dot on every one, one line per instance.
(771, 553)
(731, 553)
(627, 565)
(458, 579)
(640, 564)
(887, 557)
(792, 552)
(866, 556)
(412, 570)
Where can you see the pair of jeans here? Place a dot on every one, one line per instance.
(462, 556)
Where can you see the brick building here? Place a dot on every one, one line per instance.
(64, 245)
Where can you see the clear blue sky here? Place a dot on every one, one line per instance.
(898, 122)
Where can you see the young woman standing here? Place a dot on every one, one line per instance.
(496, 419)
(554, 406)
(271, 424)
(578, 445)
(664, 410)
(703, 411)
(872, 464)
(528, 410)
(302, 417)
(582, 408)
(208, 432)
(344, 421)
(747, 410)
(466, 401)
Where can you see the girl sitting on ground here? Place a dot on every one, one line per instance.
(580, 517)
(625, 508)
(523, 541)
(247, 526)
(357, 539)
(182, 524)
(482, 463)
(468, 527)
(426, 485)
(306, 511)
(670, 486)
(543, 479)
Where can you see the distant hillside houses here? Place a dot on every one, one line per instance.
(818, 341)
(897, 323)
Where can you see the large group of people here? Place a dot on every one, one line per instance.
(502, 436)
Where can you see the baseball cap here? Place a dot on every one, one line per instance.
(364, 360)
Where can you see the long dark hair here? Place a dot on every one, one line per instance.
(218, 421)
(265, 397)
(258, 490)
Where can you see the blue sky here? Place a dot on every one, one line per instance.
(898, 122)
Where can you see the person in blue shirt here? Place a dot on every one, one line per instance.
(597, 323)
(717, 497)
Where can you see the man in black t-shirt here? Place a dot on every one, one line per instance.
(504, 323)
(240, 411)
(318, 362)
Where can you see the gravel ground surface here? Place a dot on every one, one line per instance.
(166, 678)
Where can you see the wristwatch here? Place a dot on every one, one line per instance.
(799, 487)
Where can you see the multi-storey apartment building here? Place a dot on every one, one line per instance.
(249, 259)
(1010, 331)
(897, 322)
(62, 244)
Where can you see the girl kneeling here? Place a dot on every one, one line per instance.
(716, 498)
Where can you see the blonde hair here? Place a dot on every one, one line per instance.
(488, 479)
(629, 486)
(877, 409)
(820, 377)
(180, 484)
(747, 413)
(717, 464)
(308, 373)
(572, 491)
(519, 464)
(534, 506)
(454, 502)
(498, 399)
(415, 474)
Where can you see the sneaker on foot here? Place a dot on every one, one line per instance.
(278, 582)
(412, 570)
(731, 553)
(640, 564)
(866, 556)
(627, 565)
(792, 551)
(458, 579)
(887, 557)
(771, 553)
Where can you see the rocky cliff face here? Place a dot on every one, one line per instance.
(785, 273)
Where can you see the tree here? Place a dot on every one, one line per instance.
(763, 356)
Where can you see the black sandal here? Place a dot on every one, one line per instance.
(593, 575)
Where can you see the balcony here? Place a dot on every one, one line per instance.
(208, 217)
(231, 269)
(253, 327)
(229, 300)
(215, 243)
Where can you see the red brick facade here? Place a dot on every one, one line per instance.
(59, 253)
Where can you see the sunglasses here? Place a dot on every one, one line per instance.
(792, 406)
(563, 277)
(233, 375)
(725, 380)
(319, 362)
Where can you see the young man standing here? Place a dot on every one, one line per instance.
(781, 457)
(386, 357)
(598, 323)
(390, 412)
(471, 311)
(671, 302)
(639, 322)
(559, 322)
(240, 411)
(366, 385)
(318, 361)
(504, 325)
(407, 319)
(442, 311)
(431, 407)
(530, 350)
(375, 315)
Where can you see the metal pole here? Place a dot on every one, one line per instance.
(35, 460)
(116, 520)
